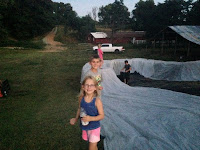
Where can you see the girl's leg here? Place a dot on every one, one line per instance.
(93, 146)
(94, 138)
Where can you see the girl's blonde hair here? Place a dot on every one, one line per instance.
(82, 92)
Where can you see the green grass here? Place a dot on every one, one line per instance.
(43, 96)
(37, 44)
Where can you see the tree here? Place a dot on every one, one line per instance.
(143, 16)
(115, 16)
(174, 12)
(62, 13)
(27, 19)
(151, 18)
(94, 13)
(4, 5)
(86, 25)
(194, 14)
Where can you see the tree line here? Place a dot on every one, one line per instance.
(150, 17)
(27, 19)
(31, 18)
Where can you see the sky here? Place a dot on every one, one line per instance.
(84, 7)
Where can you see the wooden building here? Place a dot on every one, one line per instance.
(177, 37)
(135, 37)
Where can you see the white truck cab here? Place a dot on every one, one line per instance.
(108, 47)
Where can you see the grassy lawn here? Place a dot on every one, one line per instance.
(43, 97)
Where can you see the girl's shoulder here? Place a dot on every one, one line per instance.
(80, 98)
(98, 100)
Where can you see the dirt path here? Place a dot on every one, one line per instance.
(52, 46)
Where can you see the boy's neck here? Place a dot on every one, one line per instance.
(94, 70)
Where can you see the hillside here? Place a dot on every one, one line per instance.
(51, 44)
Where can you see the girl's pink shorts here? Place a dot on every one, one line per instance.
(94, 135)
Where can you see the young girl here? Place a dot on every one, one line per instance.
(91, 112)
(100, 53)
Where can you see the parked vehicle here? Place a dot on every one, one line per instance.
(107, 47)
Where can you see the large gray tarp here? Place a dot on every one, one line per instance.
(147, 118)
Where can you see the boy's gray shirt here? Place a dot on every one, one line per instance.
(95, 75)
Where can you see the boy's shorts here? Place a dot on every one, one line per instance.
(127, 75)
(94, 135)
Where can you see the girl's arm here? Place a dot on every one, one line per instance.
(101, 52)
(99, 106)
(74, 120)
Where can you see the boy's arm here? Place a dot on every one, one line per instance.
(129, 69)
(99, 106)
(123, 68)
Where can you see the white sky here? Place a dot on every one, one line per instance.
(84, 7)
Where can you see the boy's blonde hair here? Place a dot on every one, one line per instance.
(96, 92)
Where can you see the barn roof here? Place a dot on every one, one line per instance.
(99, 35)
(130, 34)
(191, 33)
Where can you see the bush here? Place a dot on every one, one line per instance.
(24, 44)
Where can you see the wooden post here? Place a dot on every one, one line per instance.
(188, 50)
(146, 48)
(162, 50)
(175, 46)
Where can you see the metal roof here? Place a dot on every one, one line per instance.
(98, 35)
(191, 33)
(127, 34)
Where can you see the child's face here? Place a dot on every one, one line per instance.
(95, 63)
(89, 86)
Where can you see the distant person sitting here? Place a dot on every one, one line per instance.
(126, 69)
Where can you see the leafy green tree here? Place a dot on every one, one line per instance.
(173, 12)
(151, 18)
(71, 19)
(115, 16)
(143, 14)
(4, 7)
(27, 19)
(62, 13)
(194, 14)
(87, 25)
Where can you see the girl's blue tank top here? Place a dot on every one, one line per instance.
(91, 110)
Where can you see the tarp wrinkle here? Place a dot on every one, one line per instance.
(145, 118)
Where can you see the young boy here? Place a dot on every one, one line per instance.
(127, 69)
(94, 70)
